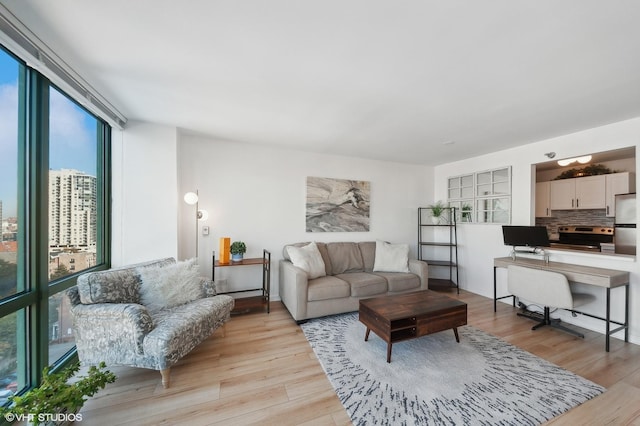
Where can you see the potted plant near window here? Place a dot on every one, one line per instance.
(59, 397)
(466, 213)
(437, 212)
(238, 248)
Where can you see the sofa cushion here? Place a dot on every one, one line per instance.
(391, 257)
(166, 286)
(364, 284)
(345, 257)
(328, 287)
(309, 259)
(368, 251)
(322, 248)
(180, 328)
(117, 285)
(399, 281)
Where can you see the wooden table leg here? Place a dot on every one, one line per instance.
(455, 330)
(366, 336)
(389, 345)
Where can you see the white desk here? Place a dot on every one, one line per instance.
(600, 277)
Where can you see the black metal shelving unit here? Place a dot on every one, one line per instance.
(264, 298)
(445, 240)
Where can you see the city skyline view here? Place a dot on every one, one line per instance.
(72, 135)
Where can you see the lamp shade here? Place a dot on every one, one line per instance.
(190, 198)
(203, 215)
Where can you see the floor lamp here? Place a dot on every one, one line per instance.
(192, 198)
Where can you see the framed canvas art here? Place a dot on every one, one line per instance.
(337, 205)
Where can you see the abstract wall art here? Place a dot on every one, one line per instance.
(337, 205)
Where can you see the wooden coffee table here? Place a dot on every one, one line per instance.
(411, 315)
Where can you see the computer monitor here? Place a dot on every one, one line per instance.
(525, 236)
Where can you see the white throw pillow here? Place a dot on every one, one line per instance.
(170, 285)
(391, 257)
(309, 259)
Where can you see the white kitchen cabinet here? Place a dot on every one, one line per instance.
(617, 183)
(562, 194)
(543, 207)
(579, 193)
(590, 192)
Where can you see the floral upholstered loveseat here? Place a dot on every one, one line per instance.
(112, 323)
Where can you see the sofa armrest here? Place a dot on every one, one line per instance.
(74, 295)
(294, 285)
(209, 287)
(421, 269)
(110, 327)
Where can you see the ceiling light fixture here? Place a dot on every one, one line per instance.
(582, 160)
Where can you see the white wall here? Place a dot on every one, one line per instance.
(144, 208)
(479, 244)
(257, 195)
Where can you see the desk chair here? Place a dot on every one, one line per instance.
(545, 288)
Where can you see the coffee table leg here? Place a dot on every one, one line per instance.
(389, 346)
(455, 330)
(366, 336)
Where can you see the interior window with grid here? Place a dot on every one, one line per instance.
(482, 197)
(460, 191)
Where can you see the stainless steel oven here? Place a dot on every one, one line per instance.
(584, 238)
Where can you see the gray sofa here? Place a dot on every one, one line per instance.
(349, 278)
(111, 325)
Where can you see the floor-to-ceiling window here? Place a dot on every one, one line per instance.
(13, 341)
(54, 213)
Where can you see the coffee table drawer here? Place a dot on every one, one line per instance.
(442, 321)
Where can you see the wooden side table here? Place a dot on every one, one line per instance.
(249, 302)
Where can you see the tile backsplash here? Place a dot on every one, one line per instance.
(595, 217)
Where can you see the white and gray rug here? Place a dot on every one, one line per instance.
(435, 381)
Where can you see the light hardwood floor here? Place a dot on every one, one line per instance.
(261, 370)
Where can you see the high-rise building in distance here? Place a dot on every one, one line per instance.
(72, 208)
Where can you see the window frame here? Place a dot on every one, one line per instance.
(33, 242)
(478, 198)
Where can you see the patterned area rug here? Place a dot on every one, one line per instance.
(433, 380)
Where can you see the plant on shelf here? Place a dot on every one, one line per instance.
(59, 397)
(437, 212)
(238, 249)
(590, 170)
(466, 213)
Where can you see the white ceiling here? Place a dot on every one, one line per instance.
(392, 80)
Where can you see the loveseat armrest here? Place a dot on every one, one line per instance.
(421, 269)
(209, 287)
(103, 328)
(294, 284)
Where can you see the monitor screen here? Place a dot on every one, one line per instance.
(525, 236)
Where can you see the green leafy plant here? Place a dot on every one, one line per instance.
(437, 209)
(590, 170)
(238, 247)
(466, 212)
(58, 393)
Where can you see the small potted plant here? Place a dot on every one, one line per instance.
(466, 213)
(59, 397)
(437, 212)
(238, 248)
